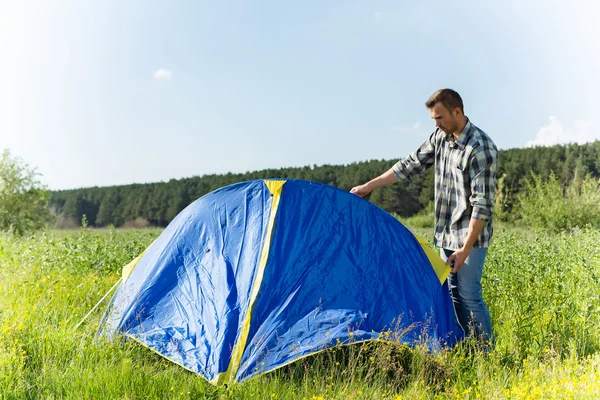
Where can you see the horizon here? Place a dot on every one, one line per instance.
(313, 166)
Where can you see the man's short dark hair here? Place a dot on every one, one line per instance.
(448, 97)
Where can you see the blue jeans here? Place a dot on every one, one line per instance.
(465, 290)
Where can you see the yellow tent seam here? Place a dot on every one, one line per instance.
(128, 269)
(442, 270)
(275, 188)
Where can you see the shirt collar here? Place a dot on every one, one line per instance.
(463, 138)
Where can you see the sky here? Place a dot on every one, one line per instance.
(106, 92)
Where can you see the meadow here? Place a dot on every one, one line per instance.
(542, 290)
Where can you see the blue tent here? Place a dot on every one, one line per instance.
(256, 275)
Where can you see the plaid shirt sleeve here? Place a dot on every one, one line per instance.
(418, 161)
(483, 181)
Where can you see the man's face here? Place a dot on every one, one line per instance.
(444, 119)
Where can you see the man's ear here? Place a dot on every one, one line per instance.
(457, 112)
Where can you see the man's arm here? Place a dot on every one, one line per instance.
(483, 189)
(460, 255)
(387, 178)
(483, 182)
(417, 162)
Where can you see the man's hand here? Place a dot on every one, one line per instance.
(382, 180)
(361, 190)
(458, 257)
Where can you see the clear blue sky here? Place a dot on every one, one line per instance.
(106, 92)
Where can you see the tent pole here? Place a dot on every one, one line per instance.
(97, 304)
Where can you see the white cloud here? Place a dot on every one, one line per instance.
(408, 128)
(378, 15)
(556, 133)
(162, 74)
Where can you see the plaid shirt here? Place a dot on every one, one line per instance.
(465, 183)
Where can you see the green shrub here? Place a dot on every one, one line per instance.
(545, 204)
(23, 199)
(424, 219)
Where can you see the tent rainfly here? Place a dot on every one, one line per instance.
(259, 274)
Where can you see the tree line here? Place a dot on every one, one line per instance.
(157, 204)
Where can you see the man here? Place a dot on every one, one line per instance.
(465, 160)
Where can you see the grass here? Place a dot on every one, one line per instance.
(541, 288)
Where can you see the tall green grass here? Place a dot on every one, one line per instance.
(541, 288)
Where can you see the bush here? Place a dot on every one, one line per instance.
(23, 199)
(138, 223)
(424, 219)
(545, 204)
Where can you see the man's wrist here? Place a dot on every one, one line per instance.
(375, 184)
